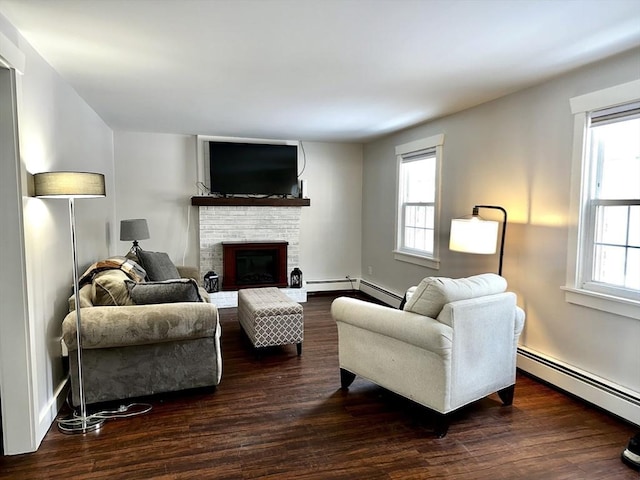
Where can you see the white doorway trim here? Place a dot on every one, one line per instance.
(19, 422)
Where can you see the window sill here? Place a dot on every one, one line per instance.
(600, 301)
(428, 262)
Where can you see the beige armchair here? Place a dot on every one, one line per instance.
(454, 343)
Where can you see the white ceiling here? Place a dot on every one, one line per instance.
(321, 70)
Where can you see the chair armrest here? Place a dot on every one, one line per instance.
(189, 272)
(193, 272)
(482, 312)
(408, 327)
(106, 327)
(519, 321)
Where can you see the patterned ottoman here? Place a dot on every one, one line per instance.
(269, 317)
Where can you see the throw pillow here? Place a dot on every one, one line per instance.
(434, 292)
(85, 298)
(168, 291)
(133, 270)
(158, 266)
(109, 288)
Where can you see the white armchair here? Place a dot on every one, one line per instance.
(453, 343)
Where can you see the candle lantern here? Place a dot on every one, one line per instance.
(296, 278)
(211, 282)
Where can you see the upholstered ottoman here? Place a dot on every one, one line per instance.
(269, 317)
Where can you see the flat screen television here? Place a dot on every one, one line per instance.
(253, 169)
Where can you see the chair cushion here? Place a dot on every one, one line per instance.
(109, 289)
(167, 291)
(158, 266)
(433, 293)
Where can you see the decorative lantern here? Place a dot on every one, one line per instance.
(211, 283)
(296, 278)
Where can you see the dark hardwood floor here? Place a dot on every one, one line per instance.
(285, 417)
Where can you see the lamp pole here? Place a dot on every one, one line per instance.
(81, 423)
(504, 228)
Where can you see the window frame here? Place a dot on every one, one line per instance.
(404, 152)
(578, 290)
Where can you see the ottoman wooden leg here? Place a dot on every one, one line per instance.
(299, 347)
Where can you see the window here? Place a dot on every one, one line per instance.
(614, 199)
(418, 194)
(605, 272)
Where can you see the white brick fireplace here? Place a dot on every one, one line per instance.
(247, 224)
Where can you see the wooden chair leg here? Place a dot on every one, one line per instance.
(506, 395)
(441, 425)
(346, 378)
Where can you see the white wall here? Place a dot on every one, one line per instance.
(155, 179)
(331, 228)
(57, 131)
(514, 152)
(156, 176)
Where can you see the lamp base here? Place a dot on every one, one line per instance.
(135, 248)
(74, 424)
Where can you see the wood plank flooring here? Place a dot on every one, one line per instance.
(285, 417)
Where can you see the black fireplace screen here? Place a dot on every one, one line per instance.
(255, 267)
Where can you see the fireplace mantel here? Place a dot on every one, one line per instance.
(209, 201)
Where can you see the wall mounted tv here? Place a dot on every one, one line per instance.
(253, 169)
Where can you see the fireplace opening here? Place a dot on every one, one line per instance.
(256, 267)
(254, 264)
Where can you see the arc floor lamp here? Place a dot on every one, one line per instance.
(72, 185)
(473, 234)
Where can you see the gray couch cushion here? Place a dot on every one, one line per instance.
(158, 266)
(167, 291)
(433, 293)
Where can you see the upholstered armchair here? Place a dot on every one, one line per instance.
(453, 343)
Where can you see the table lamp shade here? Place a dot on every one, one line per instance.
(134, 229)
(69, 184)
(473, 235)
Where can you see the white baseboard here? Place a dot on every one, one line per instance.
(50, 411)
(596, 390)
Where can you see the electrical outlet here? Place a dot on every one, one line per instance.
(370, 270)
(348, 277)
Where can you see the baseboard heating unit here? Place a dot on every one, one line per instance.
(380, 293)
(613, 398)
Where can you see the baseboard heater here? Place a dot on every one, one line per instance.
(332, 285)
(590, 388)
(346, 284)
(322, 282)
(380, 293)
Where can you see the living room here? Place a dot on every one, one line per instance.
(514, 151)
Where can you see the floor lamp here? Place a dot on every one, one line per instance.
(72, 185)
(476, 235)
